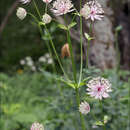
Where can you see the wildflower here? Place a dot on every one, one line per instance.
(21, 13)
(22, 62)
(50, 61)
(42, 59)
(30, 63)
(33, 68)
(46, 18)
(92, 10)
(37, 126)
(61, 7)
(65, 51)
(47, 1)
(47, 55)
(84, 108)
(99, 88)
(25, 1)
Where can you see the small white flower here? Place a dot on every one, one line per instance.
(92, 10)
(25, 1)
(37, 126)
(46, 18)
(99, 88)
(33, 68)
(50, 61)
(47, 55)
(21, 13)
(84, 108)
(22, 62)
(30, 63)
(28, 58)
(61, 7)
(42, 59)
(47, 1)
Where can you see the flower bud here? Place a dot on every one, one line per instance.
(65, 51)
(21, 13)
(46, 18)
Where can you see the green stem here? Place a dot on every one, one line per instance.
(78, 103)
(72, 57)
(117, 51)
(53, 46)
(38, 12)
(88, 48)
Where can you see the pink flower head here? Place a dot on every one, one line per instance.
(25, 1)
(99, 88)
(84, 108)
(61, 7)
(37, 126)
(92, 10)
(47, 1)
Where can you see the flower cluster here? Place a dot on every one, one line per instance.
(92, 10)
(61, 7)
(37, 126)
(46, 59)
(46, 18)
(84, 108)
(21, 13)
(99, 88)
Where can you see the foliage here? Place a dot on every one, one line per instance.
(39, 97)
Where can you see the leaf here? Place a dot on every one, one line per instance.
(71, 25)
(62, 26)
(88, 37)
(99, 123)
(41, 23)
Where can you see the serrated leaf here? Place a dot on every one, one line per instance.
(62, 26)
(71, 25)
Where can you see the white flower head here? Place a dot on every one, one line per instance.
(25, 1)
(50, 61)
(84, 108)
(47, 55)
(46, 18)
(37, 126)
(33, 68)
(99, 88)
(92, 10)
(47, 1)
(22, 62)
(21, 13)
(42, 59)
(61, 7)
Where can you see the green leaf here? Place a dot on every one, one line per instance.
(41, 23)
(62, 26)
(71, 25)
(88, 37)
(99, 123)
(118, 28)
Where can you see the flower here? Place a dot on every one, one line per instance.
(65, 51)
(99, 88)
(21, 13)
(25, 1)
(92, 10)
(47, 1)
(37, 126)
(50, 61)
(61, 7)
(22, 62)
(42, 59)
(46, 18)
(84, 108)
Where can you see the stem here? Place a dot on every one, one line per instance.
(78, 103)
(38, 12)
(72, 57)
(87, 58)
(53, 46)
(81, 45)
(117, 51)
